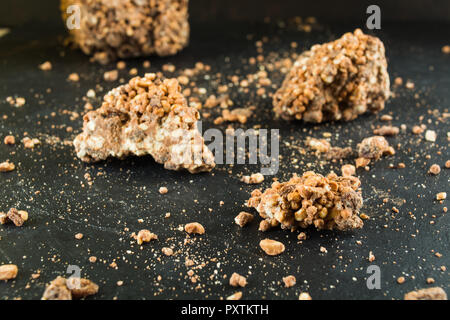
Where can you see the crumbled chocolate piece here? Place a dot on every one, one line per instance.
(441, 196)
(7, 166)
(289, 281)
(17, 217)
(112, 75)
(430, 135)
(237, 280)
(194, 227)
(435, 293)
(72, 288)
(417, 129)
(264, 225)
(319, 145)
(409, 85)
(167, 251)
(386, 131)
(163, 190)
(330, 202)
(243, 218)
(19, 102)
(435, 169)
(239, 114)
(8, 272)
(271, 247)
(57, 290)
(124, 29)
(337, 153)
(304, 296)
(146, 116)
(81, 288)
(79, 236)
(3, 218)
(30, 143)
(73, 77)
(301, 236)
(361, 162)
(371, 257)
(338, 80)
(348, 170)
(9, 140)
(373, 148)
(255, 178)
(323, 146)
(386, 117)
(46, 66)
(145, 236)
(235, 296)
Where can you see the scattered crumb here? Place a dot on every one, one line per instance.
(79, 236)
(417, 130)
(301, 236)
(112, 75)
(238, 280)
(348, 170)
(29, 143)
(435, 169)
(264, 225)
(386, 117)
(304, 296)
(7, 166)
(430, 135)
(387, 131)
(194, 227)
(243, 218)
(255, 178)
(46, 66)
(272, 247)
(235, 296)
(163, 190)
(73, 77)
(289, 281)
(167, 251)
(8, 272)
(68, 289)
(441, 196)
(9, 140)
(145, 235)
(18, 217)
(435, 293)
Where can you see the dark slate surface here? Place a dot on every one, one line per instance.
(404, 244)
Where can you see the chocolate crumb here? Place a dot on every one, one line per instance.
(289, 281)
(237, 280)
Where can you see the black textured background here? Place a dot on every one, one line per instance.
(404, 245)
